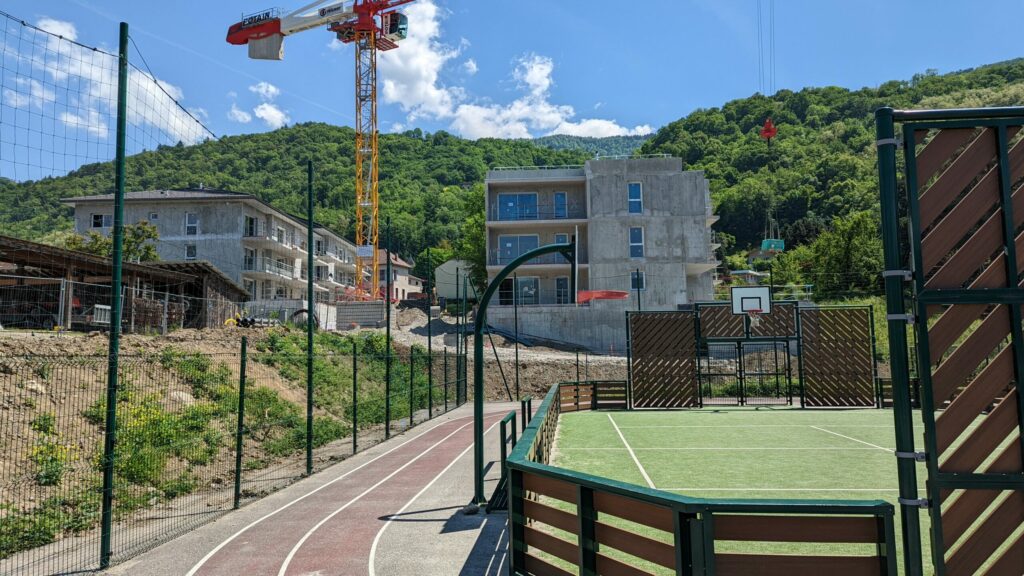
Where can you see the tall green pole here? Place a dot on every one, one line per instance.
(310, 307)
(899, 363)
(515, 320)
(355, 397)
(458, 318)
(479, 323)
(114, 346)
(639, 307)
(240, 430)
(430, 339)
(412, 382)
(387, 330)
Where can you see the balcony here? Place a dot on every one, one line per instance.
(501, 258)
(259, 239)
(268, 268)
(534, 212)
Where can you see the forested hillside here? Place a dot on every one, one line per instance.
(610, 146)
(819, 172)
(430, 184)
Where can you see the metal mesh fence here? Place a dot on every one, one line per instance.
(175, 462)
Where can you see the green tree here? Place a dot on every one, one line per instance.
(138, 245)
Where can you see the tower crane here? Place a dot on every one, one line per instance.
(370, 25)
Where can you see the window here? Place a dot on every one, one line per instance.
(102, 220)
(517, 206)
(279, 235)
(561, 238)
(250, 287)
(636, 198)
(191, 224)
(190, 252)
(511, 247)
(528, 291)
(637, 280)
(252, 227)
(153, 217)
(561, 205)
(562, 290)
(636, 242)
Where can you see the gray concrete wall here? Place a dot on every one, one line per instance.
(674, 222)
(600, 327)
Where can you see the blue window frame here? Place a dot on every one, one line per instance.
(636, 242)
(636, 198)
(637, 280)
(517, 206)
(561, 205)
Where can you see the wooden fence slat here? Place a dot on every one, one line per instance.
(644, 513)
(537, 567)
(557, 547)
(822, 529)
(766, 565)
(545, 514)
(636, 544)
(550, 487)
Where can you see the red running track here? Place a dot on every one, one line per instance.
(331, 529)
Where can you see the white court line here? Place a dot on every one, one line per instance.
(753, 426)
(632, 455)
(854, 439)
(722, 449)
(291, 553)
(220, 546)
(376, 539)
(780, 489)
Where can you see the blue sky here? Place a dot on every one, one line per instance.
(530, 67)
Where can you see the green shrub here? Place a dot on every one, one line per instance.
(51, 460)
(45, 423)
(183, 484)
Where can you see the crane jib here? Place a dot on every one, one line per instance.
(258, 18)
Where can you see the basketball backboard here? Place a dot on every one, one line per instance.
(747, 298)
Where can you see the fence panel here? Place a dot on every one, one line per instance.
(663, 364)
(837, 357)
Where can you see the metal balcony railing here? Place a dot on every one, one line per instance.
(572, 211)
(269, 266)
(502, 258)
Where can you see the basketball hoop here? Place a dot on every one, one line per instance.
(755, 318)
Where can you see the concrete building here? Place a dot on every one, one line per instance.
(259, 247)
(403, 283)
(643, 225)
(447, 276)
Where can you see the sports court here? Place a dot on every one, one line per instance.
(738, 453)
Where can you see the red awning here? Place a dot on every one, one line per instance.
(584, 296)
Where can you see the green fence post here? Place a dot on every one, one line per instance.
(430, 337)
(587, 530)
(310, 316)
(355, 397)
(517, 522)
(577, 365)
(522, 412)
(387, 332)
(446, 379)
(114, 345)
(895, 306)
(240, 429)
(412, 380)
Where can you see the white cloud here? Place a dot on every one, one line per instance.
(92, 122)
(58, 27)
(266, 91)
(15, 99)
(236, 114)
(232, 94)
(273, 116)
(199, 113)
(81, 89)
(412, 80)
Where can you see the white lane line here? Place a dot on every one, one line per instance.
(722, 449)
(854, 439)
(291, 554)
(631, 453)
(220, 546)
(376, 539)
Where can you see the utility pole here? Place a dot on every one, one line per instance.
(310, 307)
(515, 315)
(387, 331)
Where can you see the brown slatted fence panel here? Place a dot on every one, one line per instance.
(838, 362)
(719, 322)
(664, 360)
(781, 323)
(970, 358)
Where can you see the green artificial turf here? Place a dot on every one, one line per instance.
(771, 453)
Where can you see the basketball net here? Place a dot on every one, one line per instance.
(755, 318)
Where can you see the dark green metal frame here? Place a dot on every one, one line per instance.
(694, 517)
(998, 119)
(567, 250)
